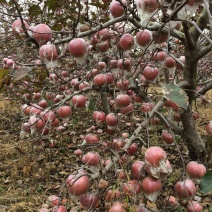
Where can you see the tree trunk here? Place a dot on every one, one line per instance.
(194, 143)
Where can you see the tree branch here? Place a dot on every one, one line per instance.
(201, 23)
(189, 38)
(204, 51)
(204, 89)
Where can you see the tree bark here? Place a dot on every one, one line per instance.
(194, 143)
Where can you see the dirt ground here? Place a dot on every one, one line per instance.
(29, 172)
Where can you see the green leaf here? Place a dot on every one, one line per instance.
(206, 183)
(175, 94)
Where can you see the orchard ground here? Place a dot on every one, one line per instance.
(30, 172)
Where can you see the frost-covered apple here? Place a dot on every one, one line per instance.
(132, 188)
(116, 9)
(138, 170)
(126, 41)
(100, 80)
(156, 158)
(128, 109)
(111, 119)
(122, 100)
(170, 202)
(42, 34)
(91, 158)
(99, 117)
(150, 73)
(144, 37)
(151, 188)
(89, 200)
(194, 206)
(167, 137)
(78, 47)
(185, 189)
(18, 29)
(78, 183)
(91, 138)
(169, 62)
(161, 56)
(122, 84)
(112, 194)
(64, 111)
(195, 171)
(48, 52)
(124, 64)
(117, 207)
(132, 149)
(53, 200)
(78, 101)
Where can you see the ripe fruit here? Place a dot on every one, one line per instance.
(156, 162)
(99, 117)
(100, 80)
(138, 170)
(132, 188)
(209, 127)
(161, 56)
(117, 207)
(185, 189)
(150, 73)
(77, 183)
(90, 138)
(128, 109)
(169, 62)
(122, 100)
(146, 107)
(126, 41)
(48, 52)
(167, 137)
(194, 206)
(195, 171)
(42, 34)
(116, 9)
(78, 101)
(91, 158)
(151, 188)
(132, 149)
(124, 64)
(89, 200)
(122, 84)
(64, 111)
(170, 202)
(144, 37)
(59, 208)
(17, 28)
(112, 195)
(154, 155)
(53, 200)
(78, 47)
(111, 119)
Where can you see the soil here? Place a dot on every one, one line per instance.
(31, 171)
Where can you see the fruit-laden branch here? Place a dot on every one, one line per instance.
(131, 139)
(152, 27)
